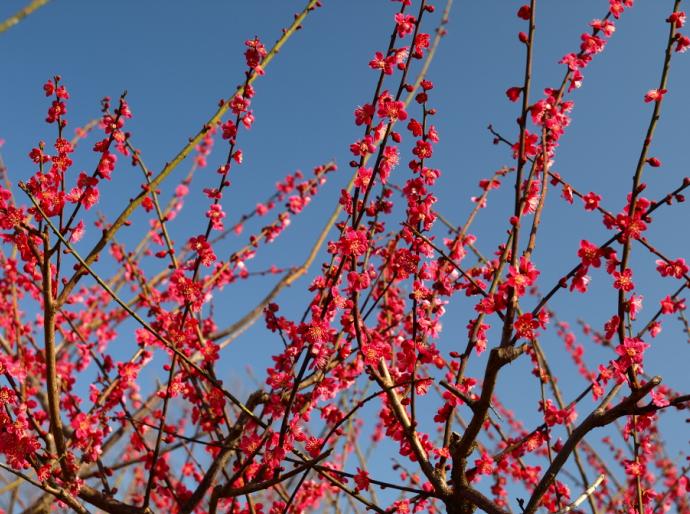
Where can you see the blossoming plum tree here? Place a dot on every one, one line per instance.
(364, 363)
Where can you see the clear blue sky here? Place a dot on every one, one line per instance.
(176, 59)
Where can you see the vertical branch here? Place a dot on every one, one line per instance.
(52, 379)
(627, 238)
(522, 160)
(637, 177)
(542, 196)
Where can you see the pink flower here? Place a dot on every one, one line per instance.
(318, 331)
(248, 120)
(421, 41)
(215, 214)
(530, 145)
(353, 242)
(385, 64)
(634, 305)
(669, 306)
(591, 44)
(633, 468)
(581, 281)
(654, 95)
(229, 130)
(239, 104)
(361, 480)
(573, 61)
(405, 24)
(605, 26)
(631, 351)
(389, 161)
(677, 18)
(186, 291)
(676, 268)
(623, 280)
(254, 54)
(589, 253)
(591, 201)
(555, 416)
(392, 110)
(611, 326)
(363, 146)
(654, 328)
(364, 114)
(313, 446)
(631, 227)
(363, 177)
(415, 127)
(7, 397)
(49, 88)
(659, 398)
(423, 149)
(682, 43)
(77, 232)
(567, 194)
(485, 464)
(203, 249)
(522, 276)
(616, 7)
(526, 325)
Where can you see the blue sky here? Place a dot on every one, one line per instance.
(177, 59)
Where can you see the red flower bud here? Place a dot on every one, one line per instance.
(513, 93)
(524, 12)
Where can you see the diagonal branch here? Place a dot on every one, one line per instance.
(21, 14)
